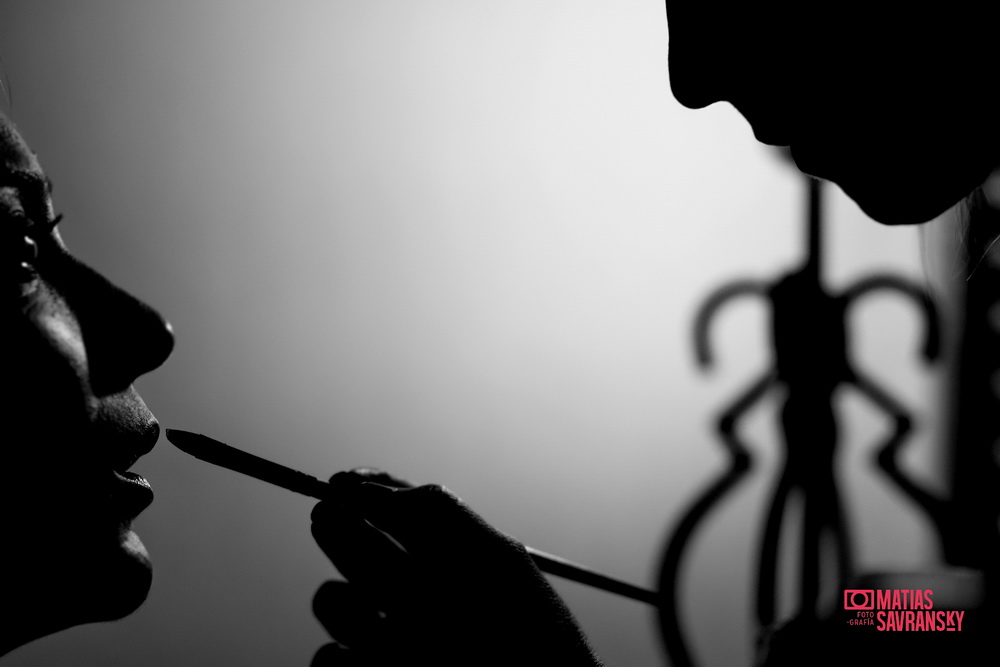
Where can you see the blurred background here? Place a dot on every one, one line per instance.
(464, 242)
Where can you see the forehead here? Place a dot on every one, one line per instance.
(15, 156)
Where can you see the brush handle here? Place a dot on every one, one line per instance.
(277, 474)
(227, 456)
(560, 567)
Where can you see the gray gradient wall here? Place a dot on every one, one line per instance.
(463, 241)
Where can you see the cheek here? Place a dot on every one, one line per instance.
(56, 341)
(65, 340)
(48, 400)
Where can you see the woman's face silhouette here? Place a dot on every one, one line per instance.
(75, 425)
(894, 102)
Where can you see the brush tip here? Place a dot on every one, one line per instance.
(183, 440)
(173, 433)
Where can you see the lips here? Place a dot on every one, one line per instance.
(127, 430)
(130, 495)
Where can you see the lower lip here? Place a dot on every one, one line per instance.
(130, 494)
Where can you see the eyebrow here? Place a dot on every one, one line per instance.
(38, 189)
(36, 182)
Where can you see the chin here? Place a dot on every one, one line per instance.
(890, 189)
(132, 580)
(900, 197)
(906, 208)
(79, 583)
(95, 583)
(118, 583)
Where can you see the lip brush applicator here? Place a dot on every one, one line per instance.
(221, 454)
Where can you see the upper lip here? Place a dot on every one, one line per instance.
(126, 428)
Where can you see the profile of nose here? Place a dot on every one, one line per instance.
(124, 337)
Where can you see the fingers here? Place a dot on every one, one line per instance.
(347, 615)
(349, 480)
(427, 522)
(363, 554)
(428, 577)
(412, 516)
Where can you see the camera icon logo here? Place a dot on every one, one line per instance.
(859, 600)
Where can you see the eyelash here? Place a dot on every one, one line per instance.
(49, 227)
(32, 235)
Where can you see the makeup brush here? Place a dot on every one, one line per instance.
(221, 454)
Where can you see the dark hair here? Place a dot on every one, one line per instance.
(979, 227)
